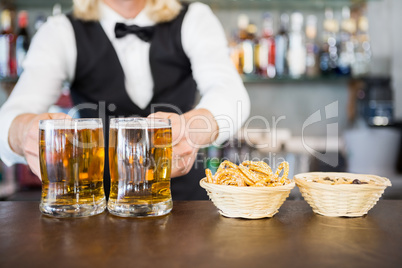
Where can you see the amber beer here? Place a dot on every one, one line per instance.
(71, 162)
(140, 156)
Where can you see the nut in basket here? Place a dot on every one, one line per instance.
(250, 190)
(341, 194)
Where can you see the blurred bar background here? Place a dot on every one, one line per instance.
(323, 77)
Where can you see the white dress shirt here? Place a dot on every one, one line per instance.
(53, 54)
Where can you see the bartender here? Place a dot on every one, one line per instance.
(130, 58)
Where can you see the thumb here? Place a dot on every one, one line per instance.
(59, 116)
(160, 115)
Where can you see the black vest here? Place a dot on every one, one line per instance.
(99, 85)
(99, 77)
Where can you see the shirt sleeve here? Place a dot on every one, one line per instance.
(50, 61)
(220, 86)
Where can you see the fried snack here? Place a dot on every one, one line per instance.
(256, 163)
(229, 176)
(285, 167)
(210, 178)
(227, 164)
(251, 177)
(249, 173)
(227, 168)
(341, 180)
(233, 180)
(264, 169)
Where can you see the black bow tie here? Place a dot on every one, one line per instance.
(144, 33)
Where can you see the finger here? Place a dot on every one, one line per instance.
(31, 141)
(178, 171)
(33, 134)
(59, 116)
(182, 165)
(160, 115)
(31, 148)
(178, 128)
(175, 119)
(33, 163)
(183, 149)
(178, 166)
(177, 123)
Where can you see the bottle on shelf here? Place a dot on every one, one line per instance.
(312, 50)
(281, 46)
(329, 49)
(23, 40)
(297, 51)
(248, 47)
(346, 45)
(235, 43)
(362, 48)
(39, 21)
(235, 52)
(266, 48)
(57, 10)
(239, 37)
(8, 66)
(294, 51)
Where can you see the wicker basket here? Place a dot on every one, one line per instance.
(247, 202)
(342, 200)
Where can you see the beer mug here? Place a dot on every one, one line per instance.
(140, 158)
(71, 153)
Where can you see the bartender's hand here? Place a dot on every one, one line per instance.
(23, 137)
(190, 131)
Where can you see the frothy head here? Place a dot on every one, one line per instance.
(78, 124)
(139, 123)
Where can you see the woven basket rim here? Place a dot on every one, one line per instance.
(244, 189)
(301, 180)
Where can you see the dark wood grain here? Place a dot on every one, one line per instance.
(195, 235)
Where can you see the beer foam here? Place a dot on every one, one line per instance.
(138, 124)
(78, 124)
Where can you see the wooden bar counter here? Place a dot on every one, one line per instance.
(194, 234)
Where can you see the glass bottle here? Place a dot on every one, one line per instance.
(362, 48)
(39, 21)
(8, 66)
(281, 46)
(235, 52)
(297, 51)
(312, 50)
(266, 48)
(242, 23)
(329, 50)
(23, 40)
(248, 47)
(346, 46)
(57, 10)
